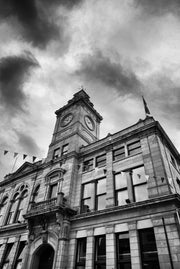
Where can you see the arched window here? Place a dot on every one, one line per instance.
(18, 204)
(35, 194)
(55, 183)
(13, 207)
(21, 206)
(3, 208)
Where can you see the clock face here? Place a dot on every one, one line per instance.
(89, 123)
(66, 119)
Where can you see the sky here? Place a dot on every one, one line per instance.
(117, 50)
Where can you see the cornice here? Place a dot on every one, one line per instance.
(154, 202)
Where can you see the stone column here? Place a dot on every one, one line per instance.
(134, 246)
(110, 201)
(90, 250)
(110, 248)
(72, 253)
(62, 249)
(130, 186)
(167, 241)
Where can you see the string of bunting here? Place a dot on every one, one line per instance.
(16, 154)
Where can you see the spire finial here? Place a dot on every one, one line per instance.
(146, 109)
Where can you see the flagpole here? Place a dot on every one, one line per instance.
(14, 164)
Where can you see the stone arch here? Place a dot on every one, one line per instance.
(43, 257)
(37, 244)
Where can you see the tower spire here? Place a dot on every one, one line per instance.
(146, 109)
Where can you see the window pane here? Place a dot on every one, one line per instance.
(123, 250)
(121, 197)
(120, 181)
(141, 192)
(101, 202)
(101, 160)
(88, 190)
(56, 153)
(88, 165)
(87, 205)
(64, 149)
(81, 250)
(101, 248)
(119, 154)
(134, 148)
(101, 186)
(53, 191)
(138, 175)
(148, 249)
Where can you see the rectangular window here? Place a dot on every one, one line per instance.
(81, 253)
(87, 201)
(53, 190)
(64, 149)
(123, 251)
(119, 154)
(6, 256)
(100, 252)
(139, 184)
(134, 148)
(88, 165)
(101, 160)
(121, 189)
(56, 153)
(101, 194)
(148, 248)
(20, 255)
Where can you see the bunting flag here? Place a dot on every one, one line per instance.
(146, 109)
(15, 154)
(24, 156)
(5, 152)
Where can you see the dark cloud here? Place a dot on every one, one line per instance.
(37, 18)
(27, 143)
(164, 94)
(14, 70)
(159, 7)
(98, 67)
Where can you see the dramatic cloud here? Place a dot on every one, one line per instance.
(38, 19)
(165, 91)
(14, 70)
(98, 67)
(27, 143)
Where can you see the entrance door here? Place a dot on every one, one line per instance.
(43, 258)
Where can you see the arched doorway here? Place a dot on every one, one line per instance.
(43, 258)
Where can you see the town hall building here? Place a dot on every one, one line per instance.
(94, 203)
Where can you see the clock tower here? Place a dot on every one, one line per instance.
(77, 124)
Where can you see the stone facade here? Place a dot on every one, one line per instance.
(110, 203)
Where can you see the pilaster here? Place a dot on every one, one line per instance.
(134, 246)
(110, 248)
(90, 249)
